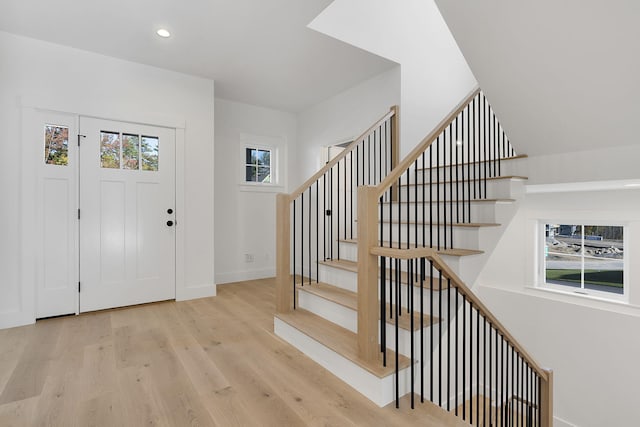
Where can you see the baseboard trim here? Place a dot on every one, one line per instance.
(195, 292)
(239, 276)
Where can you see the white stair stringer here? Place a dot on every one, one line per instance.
(381, 391)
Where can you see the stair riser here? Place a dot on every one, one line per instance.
(495, 189)
(349, 280)
(514, 167)
(477, 211)
(463, 237)
(348, 319)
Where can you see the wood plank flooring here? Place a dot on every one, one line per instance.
(207, 362)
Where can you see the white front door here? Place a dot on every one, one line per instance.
(127, 214)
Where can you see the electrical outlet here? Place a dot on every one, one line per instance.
(248, 257)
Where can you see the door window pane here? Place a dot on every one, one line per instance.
(56, 145)
(130, 151)
(110, 150)
(149, 151)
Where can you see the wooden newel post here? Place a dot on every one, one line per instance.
(284, 284)
(546, 400)
(367, 274)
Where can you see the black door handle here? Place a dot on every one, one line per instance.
(169, 223)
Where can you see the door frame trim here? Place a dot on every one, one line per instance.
(29, 204)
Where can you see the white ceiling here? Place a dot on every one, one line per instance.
(562, 76)
(258, 51)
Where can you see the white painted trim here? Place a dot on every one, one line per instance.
(566, 187)
(26, 314)
(241, 276)
(195, 292)
(69, 107)
(559, 422)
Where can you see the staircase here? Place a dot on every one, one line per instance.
(374, 257)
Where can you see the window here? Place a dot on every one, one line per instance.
(585, 259)
(129, 151)
(258, 165)
(56, 145)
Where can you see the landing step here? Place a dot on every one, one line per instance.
(451, 252)
(427, 413)
(350, 300)
(506, 159)
(340, 340)
(492, 178)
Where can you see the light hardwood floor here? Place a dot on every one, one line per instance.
(207, 362)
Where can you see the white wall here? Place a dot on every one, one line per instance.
(341, 118)
(591, 345)
(245, 215)
(435, 75)
(42, 74)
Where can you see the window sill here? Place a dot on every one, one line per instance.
(260, 188)
(587, 301)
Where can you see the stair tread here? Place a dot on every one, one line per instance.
(427, 413)
(492, 178)
(505, 159)
(455, 224)
(504, 200)
(451, 252)
(353, 267)
(340, 340)
(350, 300)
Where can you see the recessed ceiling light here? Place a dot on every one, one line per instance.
(163, 33)
(632, 185)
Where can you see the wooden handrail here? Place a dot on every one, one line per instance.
(402, 167)
(457, 282)
(392, 112)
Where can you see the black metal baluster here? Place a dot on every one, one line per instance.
(470, 363)
(457, 354)
(451, 185)
(490, 377)
(397, 267)
(330, 213)
(440, 203)
(422, 278)
(344, 232)
(411, 283)
(424, 204)
(448, 343)
(294, 254)
(431, 329)
(478, 366)
(513, 389)
(487, 164)
(474, 143)
(337, 210)
(484, 371)
(415, 203)
(440, 338)
(302, 239)
(309, 237)
(383, 309)
(317, 230)
(464, 356)
(353, 194)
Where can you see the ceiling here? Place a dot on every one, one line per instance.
(563, 76)
(258, 52)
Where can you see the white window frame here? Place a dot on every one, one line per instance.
(258, 142)
(582, 292)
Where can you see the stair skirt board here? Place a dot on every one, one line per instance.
(381, 391)
(348, 319)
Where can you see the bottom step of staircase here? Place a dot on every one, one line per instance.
(336, 349)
